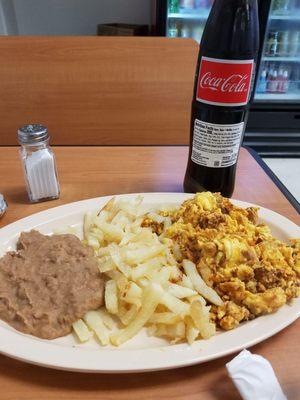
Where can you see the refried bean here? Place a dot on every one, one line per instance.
(48, 284)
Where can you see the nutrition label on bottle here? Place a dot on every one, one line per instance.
(216, 145)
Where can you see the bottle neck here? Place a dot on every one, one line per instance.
(234, 23)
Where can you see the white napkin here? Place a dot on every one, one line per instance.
(254, 377)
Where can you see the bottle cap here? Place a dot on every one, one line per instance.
(3, 205)
(32, 133)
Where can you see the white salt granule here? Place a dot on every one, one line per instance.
(41, 175)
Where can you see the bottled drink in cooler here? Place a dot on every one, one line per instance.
(185, 31)
(173, 6)
(293, 84)
(203, 4)
(294, 43)
(173, 30)
(197, 33)
(280, 81)
(187, 4)
(262, 83)
(269, 76)
(272, 44)
(285, 82)
(272, 81)
(281, 6)
(223, 85)
(283, 44)
(275, 82)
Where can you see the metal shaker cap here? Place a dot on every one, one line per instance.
(32, 133)
(3, 205)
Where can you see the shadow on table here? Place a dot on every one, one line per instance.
(210, 379)
(17, 195)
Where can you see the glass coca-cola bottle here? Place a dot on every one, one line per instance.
(222, 92)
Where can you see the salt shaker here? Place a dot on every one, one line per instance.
(38, 163)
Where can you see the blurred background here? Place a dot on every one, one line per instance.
(274, 123)
(69, 17)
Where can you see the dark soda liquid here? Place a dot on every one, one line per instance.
(231, 33)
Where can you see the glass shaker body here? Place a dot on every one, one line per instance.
(39, 168)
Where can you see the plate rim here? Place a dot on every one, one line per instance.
(15, 227)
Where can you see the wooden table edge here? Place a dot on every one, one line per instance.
(284, 190)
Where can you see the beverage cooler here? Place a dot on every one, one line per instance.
(274, 121)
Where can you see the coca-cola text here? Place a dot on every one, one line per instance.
(224, 83)
(234, 83)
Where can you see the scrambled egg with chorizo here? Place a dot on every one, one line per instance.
(253, 272)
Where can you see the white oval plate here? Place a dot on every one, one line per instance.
(141, 353)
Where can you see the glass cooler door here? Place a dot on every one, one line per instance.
(186, 18)
(279, 72)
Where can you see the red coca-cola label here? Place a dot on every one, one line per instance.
(224, 82)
